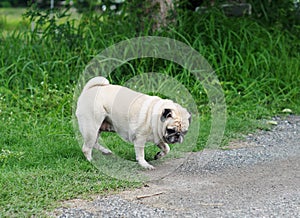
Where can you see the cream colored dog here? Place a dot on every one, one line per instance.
(136, 117)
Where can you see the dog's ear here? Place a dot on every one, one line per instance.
(165, 114)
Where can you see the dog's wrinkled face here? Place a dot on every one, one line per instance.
(176, 124)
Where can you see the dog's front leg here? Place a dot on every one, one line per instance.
(140, 155)
(164, 147)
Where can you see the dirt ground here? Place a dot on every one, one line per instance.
(257, 177)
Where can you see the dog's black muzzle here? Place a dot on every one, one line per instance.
(173, 136)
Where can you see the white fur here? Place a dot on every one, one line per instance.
(134, 116)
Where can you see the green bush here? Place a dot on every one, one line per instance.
(5, 4)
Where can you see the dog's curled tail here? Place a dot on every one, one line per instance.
(96, 81)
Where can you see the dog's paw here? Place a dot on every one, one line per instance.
(106, 151)
(150, 167)
(87, 154)
(159, 155)
(146, 165)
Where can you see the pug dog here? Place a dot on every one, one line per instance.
(136, 117)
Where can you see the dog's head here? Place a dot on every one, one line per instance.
(176, 122)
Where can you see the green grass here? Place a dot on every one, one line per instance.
(41, 163)
(11, 19)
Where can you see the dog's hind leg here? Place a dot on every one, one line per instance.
(89, 143)
(89, 131)
(90, 139)
(105, 126)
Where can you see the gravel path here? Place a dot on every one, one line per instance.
(259, 177)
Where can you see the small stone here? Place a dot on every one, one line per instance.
(272, 122)
(287, 110)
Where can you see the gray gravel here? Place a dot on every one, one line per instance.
(282, 141)
(258, 177)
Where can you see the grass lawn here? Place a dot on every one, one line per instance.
(10, 18)
(41, 163)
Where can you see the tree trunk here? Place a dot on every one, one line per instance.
(162, 14)
(159, 13)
